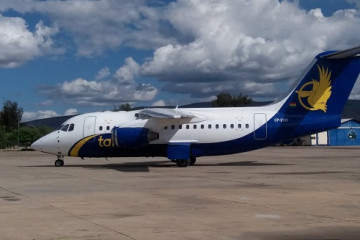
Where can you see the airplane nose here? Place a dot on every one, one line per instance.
(37, 145)
(46, 144)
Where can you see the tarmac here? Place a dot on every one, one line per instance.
(277, 193)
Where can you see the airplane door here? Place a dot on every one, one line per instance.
(89, 126)
(260, 126)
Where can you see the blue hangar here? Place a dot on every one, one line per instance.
(348, 134)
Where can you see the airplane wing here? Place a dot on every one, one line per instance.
(166, 113)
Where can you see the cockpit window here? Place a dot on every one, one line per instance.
(61, 127)
(71, 128)
(65, 128)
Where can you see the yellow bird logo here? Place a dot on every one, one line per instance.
(318, 96)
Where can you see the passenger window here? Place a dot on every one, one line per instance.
(108, 128)
(195, 126)
(217, 126)
(172, 126)
(71, 128)
(101, 128)
(247, 125)
(239, 125)
(231, 126)
(180, 126)
(224, 126)
(209, 126)
(187, 126)
(165, 127)
(65, 128)
(202, 126)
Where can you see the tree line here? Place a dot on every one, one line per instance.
(227, 100)
(12, 133)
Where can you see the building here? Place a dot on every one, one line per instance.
(348, 134)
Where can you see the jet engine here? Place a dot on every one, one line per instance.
(133, 137)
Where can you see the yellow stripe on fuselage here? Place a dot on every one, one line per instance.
(75, 149)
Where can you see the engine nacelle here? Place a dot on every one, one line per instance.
(133, 137)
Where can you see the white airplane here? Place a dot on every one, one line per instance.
(313, 105)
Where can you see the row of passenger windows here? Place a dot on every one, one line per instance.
(107, 128)
(70, 127)
(67, 127)
(202, 126)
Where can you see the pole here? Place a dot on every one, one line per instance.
(18, 135)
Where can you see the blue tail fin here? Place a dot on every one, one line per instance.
(325, 88)
(317, 102)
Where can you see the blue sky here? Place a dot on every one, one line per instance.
(66, 57)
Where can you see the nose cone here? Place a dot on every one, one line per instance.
(47, 144)
(37, 145)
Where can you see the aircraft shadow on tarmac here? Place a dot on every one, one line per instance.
(145, 166)
(318, 233)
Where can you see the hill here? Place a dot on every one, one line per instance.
(53, 122)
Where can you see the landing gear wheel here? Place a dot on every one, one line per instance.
(192, 161)
(183, 162)
(59, 163)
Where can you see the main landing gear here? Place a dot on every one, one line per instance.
(59, 162)
(186, 162)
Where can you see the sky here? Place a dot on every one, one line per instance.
(68, 57)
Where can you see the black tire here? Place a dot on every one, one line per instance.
(183, 162)
(192, 161)
(59, 163)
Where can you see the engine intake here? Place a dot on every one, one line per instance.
(133, 137)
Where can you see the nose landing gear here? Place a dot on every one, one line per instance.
(59, 162)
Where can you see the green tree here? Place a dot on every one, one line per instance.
(43, 130)
(28, 135)
(123, 107)
(3, 137)
(10, 115)
(24, 137)
(226, 100)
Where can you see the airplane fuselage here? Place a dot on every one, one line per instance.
(215, 131)
(212, 126)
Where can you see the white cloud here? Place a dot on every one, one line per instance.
(105, 24)
(96, 93)
(71, 111)
(235, 43)
(356, 2)
(199, 47)
(19, 45)
(159, 103)
(47, 103)
(27, 116)
(102, 73)
(127, 73)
